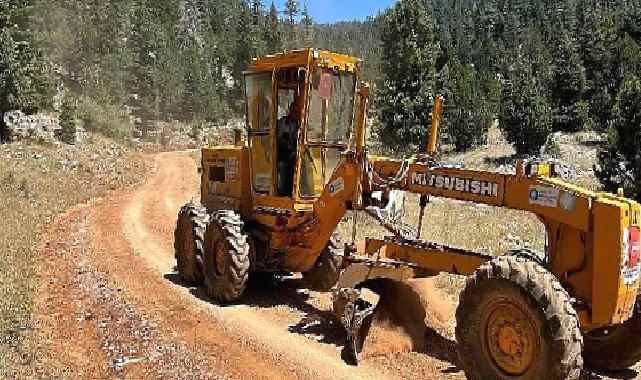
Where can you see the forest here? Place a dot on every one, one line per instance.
(535, 66)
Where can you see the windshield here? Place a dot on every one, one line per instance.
(331, 106)
(329, 127)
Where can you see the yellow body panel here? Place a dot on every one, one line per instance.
(435, 259)
(225, 181)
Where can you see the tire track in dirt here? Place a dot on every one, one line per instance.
(108, 305)
(148, 225)
(111, 307)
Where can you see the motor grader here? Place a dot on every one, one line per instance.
(272, 202)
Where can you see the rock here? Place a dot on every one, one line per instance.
(36, 127)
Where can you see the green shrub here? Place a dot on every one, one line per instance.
(619, 157)
(525, 114)
(107, 119)
(552, 148)
(67, 131)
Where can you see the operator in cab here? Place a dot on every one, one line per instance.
(287, 134)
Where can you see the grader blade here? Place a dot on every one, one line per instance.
(375, 293)
(356, 317)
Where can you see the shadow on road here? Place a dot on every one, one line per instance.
(268, 291)
(628, 374)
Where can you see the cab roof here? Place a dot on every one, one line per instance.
(308, 58)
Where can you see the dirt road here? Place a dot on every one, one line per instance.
(109, 305)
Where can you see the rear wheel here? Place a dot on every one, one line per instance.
(226, 257)
(188, 242)
(515, 321)
(324, 275)
(615, 347)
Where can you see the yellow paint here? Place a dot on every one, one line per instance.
(437, 111)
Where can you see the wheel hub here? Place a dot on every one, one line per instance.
(511, 339)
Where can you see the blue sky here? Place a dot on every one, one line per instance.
(337, 10)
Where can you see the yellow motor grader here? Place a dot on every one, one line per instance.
(273, 200)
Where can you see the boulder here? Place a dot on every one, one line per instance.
(35, 127)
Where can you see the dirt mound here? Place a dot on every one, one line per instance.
(439, 311)
(405, 314)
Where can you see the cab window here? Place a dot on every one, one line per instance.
(258, 92)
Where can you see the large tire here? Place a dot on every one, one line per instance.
(324, 275)
(188, 242)
(615, 347)
(226, 257)
(515, 321)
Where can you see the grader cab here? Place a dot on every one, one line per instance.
(272, 202)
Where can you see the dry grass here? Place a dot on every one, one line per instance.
(478, 227)
(36, 183)
(39, 181)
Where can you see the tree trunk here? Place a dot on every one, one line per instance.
(4, 129)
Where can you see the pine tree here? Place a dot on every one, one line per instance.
(291, 11)
(257, 26)
(25, 82)
(619, 158)
(628, 60)
(67, 131)
(408, 59)
(143, 99)
(271, 31)
(306, 28)
(243, 52)
(525, 111)
(596, 39)
(10, 72)
(534, 53)
(467, 117)
(568, 87)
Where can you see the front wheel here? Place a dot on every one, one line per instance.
(615, 347)
(324, 275)
(515, 321)
(188, 242)
(226, 257)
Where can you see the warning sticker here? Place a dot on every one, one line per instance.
(262, 182)
(336, 186)
(631, 256)
(567, 201)
(231, 169)
(213, 187)
(325, 86)
(544, 196)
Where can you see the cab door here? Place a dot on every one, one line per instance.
(260, 127)
(330, 115)
(268, 96)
